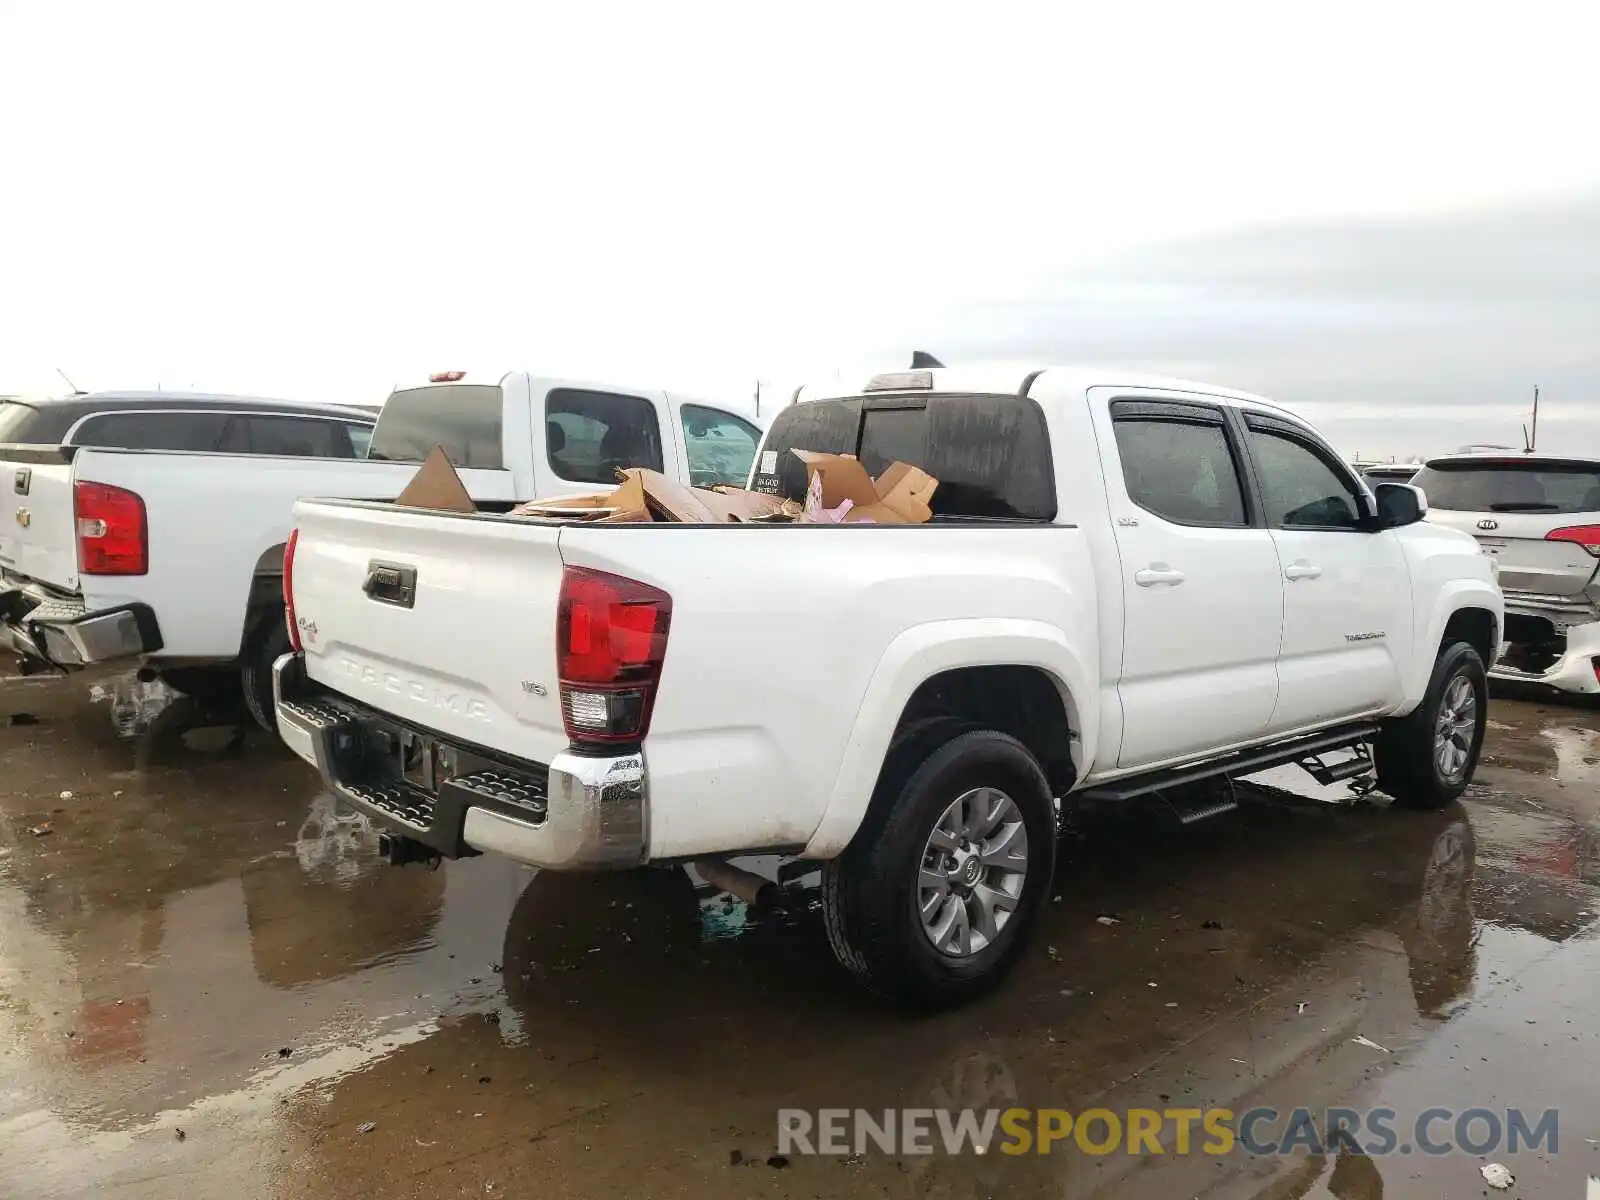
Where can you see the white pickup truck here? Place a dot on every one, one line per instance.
(171, 555)
(1129, 585)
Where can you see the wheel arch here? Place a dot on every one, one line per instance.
(976, 664)
(1467, 611)
(266, 591)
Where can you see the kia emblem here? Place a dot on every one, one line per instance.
(1488, 523)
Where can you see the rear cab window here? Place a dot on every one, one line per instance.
(1511, 486)
(465, 418)
(990, 453)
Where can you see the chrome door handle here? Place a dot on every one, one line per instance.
(1301, 570)
(1157, 573)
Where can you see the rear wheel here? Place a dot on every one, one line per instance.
(268, 641)
(1427, 759)
(932, 902)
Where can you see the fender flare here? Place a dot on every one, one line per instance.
(1454, 596)
(914, 657)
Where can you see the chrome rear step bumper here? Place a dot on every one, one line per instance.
(577, 813)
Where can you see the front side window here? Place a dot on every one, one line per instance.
(720, 446)
(1182, 471)
(1298, 486)
(590, 436)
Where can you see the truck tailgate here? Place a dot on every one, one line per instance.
(38, 539)
(443, 621)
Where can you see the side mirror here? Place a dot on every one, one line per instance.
(1399, 504)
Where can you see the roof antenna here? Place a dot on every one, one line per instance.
(921, 360)
(76, 390)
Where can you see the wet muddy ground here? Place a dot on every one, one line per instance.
(210, 986)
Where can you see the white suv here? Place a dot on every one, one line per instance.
(1538, 517)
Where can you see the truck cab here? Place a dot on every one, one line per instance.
(554, 436)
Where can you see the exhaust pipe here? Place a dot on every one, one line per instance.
(755, 890)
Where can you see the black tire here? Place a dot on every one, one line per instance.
(268, 641)
(870, 892)
(1408, 767)
(211, 685)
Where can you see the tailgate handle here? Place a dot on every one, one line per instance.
(391, 583)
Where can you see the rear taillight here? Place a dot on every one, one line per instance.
(288, 590)
(112, 538)
(1587, 536)
(611, 639)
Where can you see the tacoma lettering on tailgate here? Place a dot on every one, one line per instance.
(418, 691)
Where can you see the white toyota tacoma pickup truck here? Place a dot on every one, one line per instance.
(171, 555)
(1129, 585)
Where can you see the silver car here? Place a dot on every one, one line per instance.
(1538, 516)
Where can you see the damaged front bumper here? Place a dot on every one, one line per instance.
(1553, 641)
(579, 812)
(52, 632)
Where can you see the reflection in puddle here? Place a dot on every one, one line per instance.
(336, 843)
(168, 726)
(133, 703)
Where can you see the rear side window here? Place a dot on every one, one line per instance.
(990, 454)
(1510, 486)
(464, 418)
(1182, 471)
(590, 436)
(360, 439)
(720, 446)
(152, 431)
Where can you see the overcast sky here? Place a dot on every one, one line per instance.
(1388, 215)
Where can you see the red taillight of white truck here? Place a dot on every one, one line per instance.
(611, 640)
(288, 590)
(113, 538)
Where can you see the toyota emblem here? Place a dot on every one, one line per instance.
(1488, 523)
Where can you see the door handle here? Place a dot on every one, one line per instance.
(1301, 570)
(1157, 573)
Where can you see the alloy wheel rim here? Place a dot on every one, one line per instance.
(1455, 728)
(972, 871)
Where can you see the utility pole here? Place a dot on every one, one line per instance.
(758, 398)
(1533, 440)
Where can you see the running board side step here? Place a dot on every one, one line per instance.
(1302, 751)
